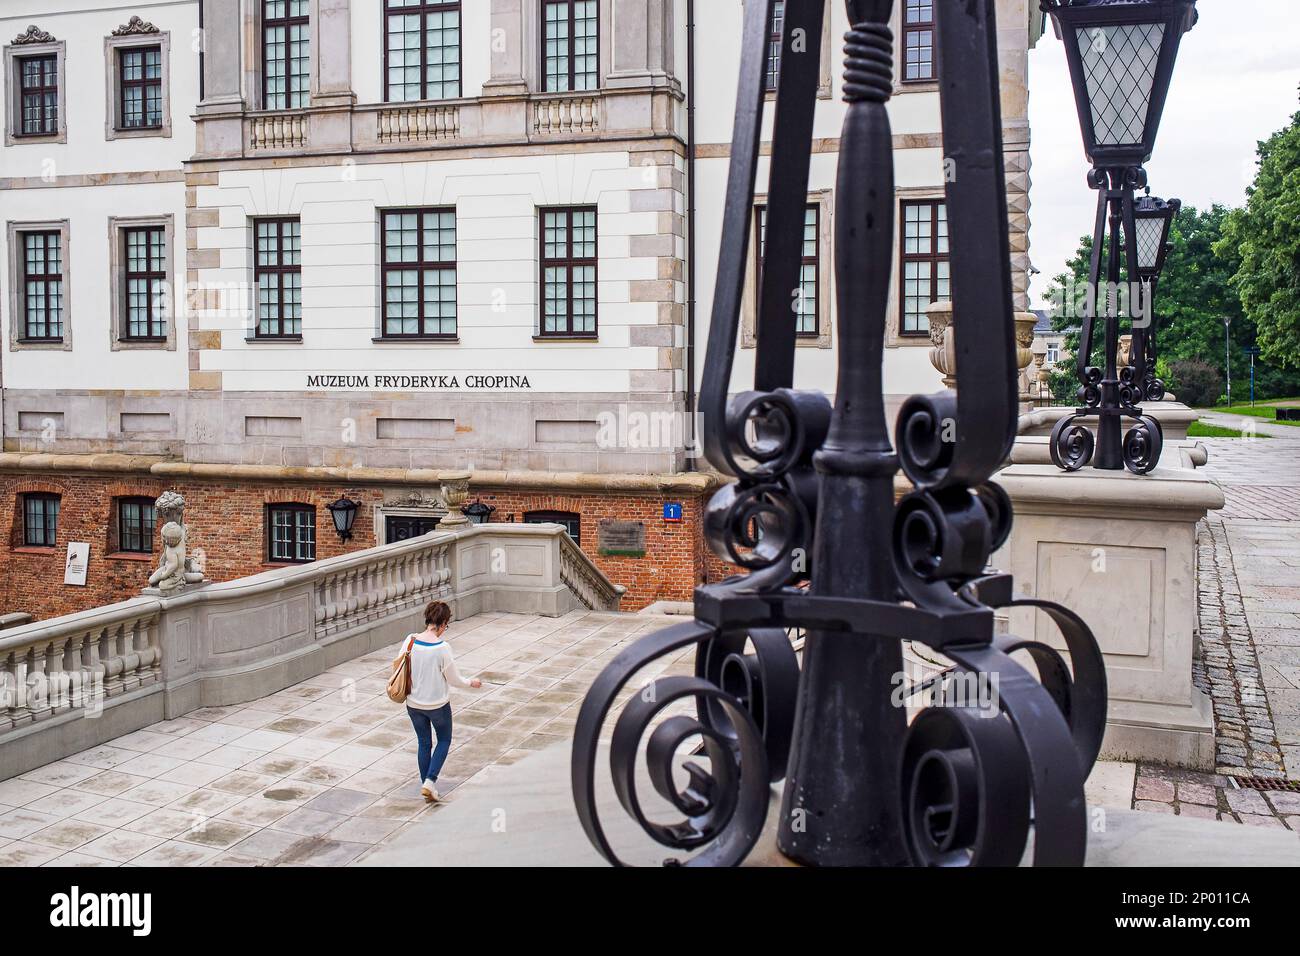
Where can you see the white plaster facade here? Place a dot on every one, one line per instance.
(497, 154)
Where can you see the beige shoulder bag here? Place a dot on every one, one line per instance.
(399, 685)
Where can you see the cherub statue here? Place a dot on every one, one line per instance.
(171, 573)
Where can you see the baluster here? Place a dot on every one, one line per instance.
(13, 679)
(111, 657)
(57, 676)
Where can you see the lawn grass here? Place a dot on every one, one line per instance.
(1205, 430)
(1265, 411)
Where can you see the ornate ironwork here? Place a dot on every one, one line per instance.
(1121, 56)
(812, 518)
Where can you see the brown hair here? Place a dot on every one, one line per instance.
(437, 614)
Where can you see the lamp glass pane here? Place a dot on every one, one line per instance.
(1150, 234)
(1119, 66)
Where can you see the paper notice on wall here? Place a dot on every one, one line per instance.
(74, 568)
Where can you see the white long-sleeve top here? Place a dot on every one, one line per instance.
(433, 672)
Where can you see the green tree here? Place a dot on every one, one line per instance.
(1264, 236)
(1195, 293)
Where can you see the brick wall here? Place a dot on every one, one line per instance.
(227, 522)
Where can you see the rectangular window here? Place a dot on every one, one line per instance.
(570, 37)
(291, 533)
(38, 95)
(1053, 354)
(140, 85)
(145, 283)
(806, 314)
(918, 40)
(571, 520)
(135, 525)
(568, 271)
(422, 50)
(286, 54)
(774, 30)
(40, 520)
(277, 269)
(925, 263)
(419, 271)
(42, 288)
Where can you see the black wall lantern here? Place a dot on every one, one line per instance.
(344, 513)
(478, 513)
(1121, 55)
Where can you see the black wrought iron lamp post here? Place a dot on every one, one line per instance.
(812, 518)
(1121, 56)
(1153, 220)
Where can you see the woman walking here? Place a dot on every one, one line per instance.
(433, 672)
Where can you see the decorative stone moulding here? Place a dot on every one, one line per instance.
(33, 34)
(135, 27)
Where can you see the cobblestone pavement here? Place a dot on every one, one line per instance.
(1249, 566)
(316, 775)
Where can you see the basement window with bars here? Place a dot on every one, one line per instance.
(570, 45)
(135, 525)
(422, 50)
(286, 54)
(568, 272)
(290, 533)
(572, 521)
(40, 520)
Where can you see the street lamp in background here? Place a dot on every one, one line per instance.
(1153, 220)
(1227, 354)
(1121, 56)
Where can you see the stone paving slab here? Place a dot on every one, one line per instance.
(315, 775)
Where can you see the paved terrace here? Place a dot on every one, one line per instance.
(317, 774)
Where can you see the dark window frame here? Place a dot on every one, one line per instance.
(934, 257)
(288, 22)
(760, 227)
(49, 519)
(420, 266)
(918, 28)
(570, 52)
(143, 84)
(154, 315)
(49, 124)
(295, 508)
(147, 529)
(569, 261)
(279, 270)
(46, 279)
(551, 516)
(772, 63)
(423, 9)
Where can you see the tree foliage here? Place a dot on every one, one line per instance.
(1264, 237)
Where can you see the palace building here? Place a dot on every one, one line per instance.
(276, 253)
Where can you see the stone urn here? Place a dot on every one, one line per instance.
(944, 354)
(1025, 322)
(455, 492)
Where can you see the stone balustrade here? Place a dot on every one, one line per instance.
(73, 682)
(277, 131)
(418, 123)
(566, 115)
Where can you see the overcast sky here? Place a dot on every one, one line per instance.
(1235, 83)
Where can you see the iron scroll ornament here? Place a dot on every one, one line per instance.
(812, 518)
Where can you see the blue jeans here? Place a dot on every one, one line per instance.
(427, 723)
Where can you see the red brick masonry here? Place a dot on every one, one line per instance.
(226, 521)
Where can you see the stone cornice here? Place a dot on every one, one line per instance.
(33, 34)
(682, 483)
(135, 27)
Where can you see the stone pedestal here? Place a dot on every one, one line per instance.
(1120, 550)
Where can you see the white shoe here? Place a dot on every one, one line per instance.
(429, 792)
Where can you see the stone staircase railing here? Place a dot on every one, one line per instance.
(73, 682)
